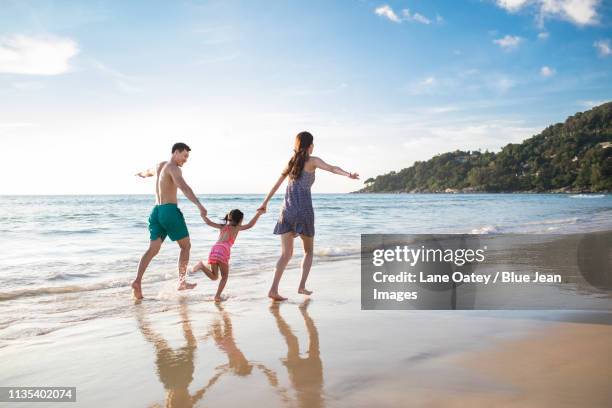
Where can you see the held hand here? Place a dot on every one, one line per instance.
(203, 212)
(260, 211)
(354, 176)
(263, 208)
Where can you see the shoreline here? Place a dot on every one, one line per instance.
(559, 238)
(314, 194)
(457, 191)
(322, 351)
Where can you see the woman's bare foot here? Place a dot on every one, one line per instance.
(184, 285)
(304, 291)
(136, 290)
(276, 297)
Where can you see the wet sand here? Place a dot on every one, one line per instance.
(567, 365)
(182, 350)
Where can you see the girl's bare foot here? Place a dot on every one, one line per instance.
(201, 267)
(304, 291)
(136, 290)
(276, 297)
(184, 285)
(198, 267)
(208, 272)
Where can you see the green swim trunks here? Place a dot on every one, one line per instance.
(167, 220)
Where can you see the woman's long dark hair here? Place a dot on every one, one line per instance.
(303, 141)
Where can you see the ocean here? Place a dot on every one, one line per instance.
(66, 259)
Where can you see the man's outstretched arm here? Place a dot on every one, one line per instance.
(180, 182)
(152, 171)
(146, 173)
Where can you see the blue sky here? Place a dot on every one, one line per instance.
(91, 92)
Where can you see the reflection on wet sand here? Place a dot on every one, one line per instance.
(222, 332)
(175, 367)
(305, 374)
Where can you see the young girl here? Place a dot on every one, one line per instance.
(218, 259)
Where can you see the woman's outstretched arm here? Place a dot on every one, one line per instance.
(320, 164)
(275, 187)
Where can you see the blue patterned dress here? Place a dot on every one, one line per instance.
(296, 213)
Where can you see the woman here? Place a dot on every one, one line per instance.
(297, 216)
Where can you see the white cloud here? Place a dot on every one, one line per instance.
(434, 110)
(471, 82)
(429, 81)
(387, 12)
(426, 85)
(591, 104)
(543, 35)
(421, 19)
(28, 85)
(502, 85)
(509, 42)
(486, 134)
(124, 82)
(579, 12)
(547, 71)
(603, 48)
(511, 5)
(48, 55)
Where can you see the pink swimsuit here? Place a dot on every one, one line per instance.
(220, 252)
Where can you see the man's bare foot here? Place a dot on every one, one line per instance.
(304, 291)
(136, 290)
(218, 299)
(184, 285)
(276, 297)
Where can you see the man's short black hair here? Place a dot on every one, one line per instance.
(180, 147)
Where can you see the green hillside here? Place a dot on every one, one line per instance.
(574, 156)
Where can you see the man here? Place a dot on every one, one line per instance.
(166, 218)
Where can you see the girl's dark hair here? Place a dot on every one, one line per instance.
(294, 168)
(233, 217)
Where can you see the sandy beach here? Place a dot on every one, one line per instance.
(182, 350)
(566, 365)
(298, 204)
